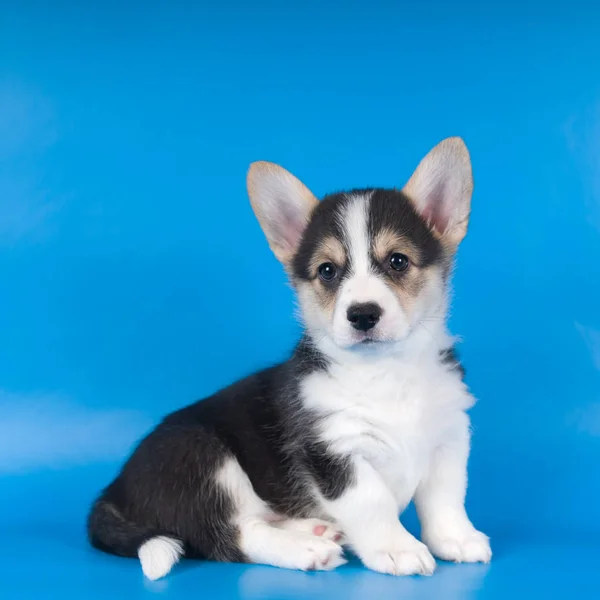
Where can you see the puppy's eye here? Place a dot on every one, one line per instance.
(327, 271)
(399, 262)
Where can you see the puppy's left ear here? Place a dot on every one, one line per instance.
(441, 189)
(283, 206)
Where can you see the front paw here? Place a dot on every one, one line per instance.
(411, 558)
(469, 547)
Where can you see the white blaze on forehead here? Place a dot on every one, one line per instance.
(356, 230)
(361, 284)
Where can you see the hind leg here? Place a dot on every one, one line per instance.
(316, 527)
(263, 543)
(266, 539)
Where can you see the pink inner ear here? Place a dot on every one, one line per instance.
(434, 211)
(291, 230)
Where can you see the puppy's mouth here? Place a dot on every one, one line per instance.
(369, 339)
(369, 346)
(372, 341)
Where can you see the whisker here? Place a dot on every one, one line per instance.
(429, 332)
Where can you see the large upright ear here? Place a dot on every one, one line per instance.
(441, 189)
(282, 205)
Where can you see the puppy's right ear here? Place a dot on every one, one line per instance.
(283, 206)
(441, 189)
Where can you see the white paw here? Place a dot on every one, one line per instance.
(316, 527)
(470, 547)
(413, 559)
(311, 553)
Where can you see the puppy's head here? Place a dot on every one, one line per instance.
(368, 265)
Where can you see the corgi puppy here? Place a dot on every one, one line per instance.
(324, 451)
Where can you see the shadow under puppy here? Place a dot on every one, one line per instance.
(368, 413)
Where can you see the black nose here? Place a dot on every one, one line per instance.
(364, 316)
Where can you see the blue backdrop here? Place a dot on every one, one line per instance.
(125, 133)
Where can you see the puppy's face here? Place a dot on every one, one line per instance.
(368, 265)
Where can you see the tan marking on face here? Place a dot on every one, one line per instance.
(315, 293)
(318, 302)
(329, 250)
(387, 241)
(407, 286)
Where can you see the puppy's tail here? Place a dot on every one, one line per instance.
(110, 531)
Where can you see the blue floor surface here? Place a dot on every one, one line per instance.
(45, 556)
(530, 571)
(125, 133)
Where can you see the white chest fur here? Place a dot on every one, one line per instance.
(392, 412)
